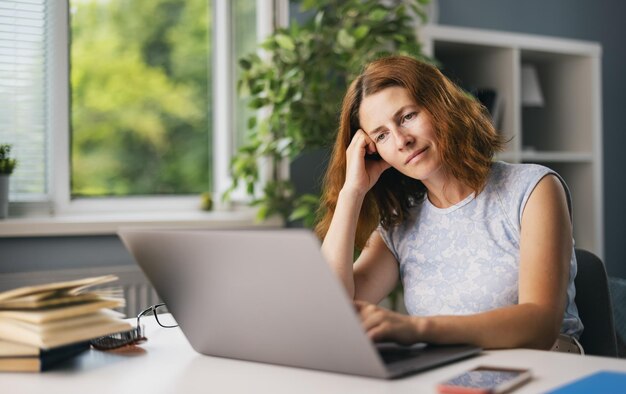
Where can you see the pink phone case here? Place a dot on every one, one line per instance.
(452, 387)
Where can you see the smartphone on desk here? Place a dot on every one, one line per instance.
(485, 380)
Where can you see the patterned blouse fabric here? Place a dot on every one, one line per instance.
(465, 259)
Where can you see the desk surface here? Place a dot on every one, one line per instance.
(168, 364)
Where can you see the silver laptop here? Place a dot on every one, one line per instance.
(269, 296)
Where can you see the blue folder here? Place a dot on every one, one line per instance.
(605, 382)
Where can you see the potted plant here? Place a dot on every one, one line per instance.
(300, 83)
(7, 165)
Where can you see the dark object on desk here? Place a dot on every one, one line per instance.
(594, 306)
(132, 337)
(136, 335)
(33, 359)
(401, 360)
(604, 382)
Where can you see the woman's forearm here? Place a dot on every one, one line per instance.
(338, 245)
(525, 325)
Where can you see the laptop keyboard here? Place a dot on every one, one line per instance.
(391, 352)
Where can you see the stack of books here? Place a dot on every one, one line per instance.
(43, 325)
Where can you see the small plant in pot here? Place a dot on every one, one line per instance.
(299, 85)
(7, 165)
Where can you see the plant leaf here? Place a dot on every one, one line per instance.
(361, 31)
(378, 15)
(285, 42)
(345, 40)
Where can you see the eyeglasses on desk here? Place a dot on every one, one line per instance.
(136, 335)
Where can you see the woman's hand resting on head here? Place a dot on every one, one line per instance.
(383, 325)
(362, 174)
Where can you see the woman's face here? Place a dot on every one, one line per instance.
(402, 132)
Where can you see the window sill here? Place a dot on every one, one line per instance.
(108, 224)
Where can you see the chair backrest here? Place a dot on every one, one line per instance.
(594, 306)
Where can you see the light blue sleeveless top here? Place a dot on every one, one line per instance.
(465, 259)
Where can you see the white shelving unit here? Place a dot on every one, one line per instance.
(565, 133)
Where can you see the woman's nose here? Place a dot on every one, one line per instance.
(402, 138)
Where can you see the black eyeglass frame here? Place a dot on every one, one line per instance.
(153, 309)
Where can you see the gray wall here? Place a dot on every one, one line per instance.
(47, 253)
(598, 20)
(593, 20)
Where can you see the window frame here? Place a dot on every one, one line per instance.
(58, 107)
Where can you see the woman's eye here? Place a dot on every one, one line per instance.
(381, 137)
(409, 116)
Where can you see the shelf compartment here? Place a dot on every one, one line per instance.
(564, 121)
(473, 66)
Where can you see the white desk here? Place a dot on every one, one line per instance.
(168, 364)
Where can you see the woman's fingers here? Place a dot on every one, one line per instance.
(379, 333)
(358, 146)
(364, 145)
(361, 140)
(372, 319)
(381, 324)
(370, 146)
(362, 174)
(371, 315)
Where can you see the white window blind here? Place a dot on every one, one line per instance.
(23, 94)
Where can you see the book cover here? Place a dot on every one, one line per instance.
(69, 287)
(15, 349)
(37, 360)
(92, 318)
(45, 300)
(57, 314)
(62, 332)
(605, 382)
(44, 315)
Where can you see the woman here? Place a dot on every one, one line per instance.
(484, 249)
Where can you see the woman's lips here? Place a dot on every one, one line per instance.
(415, 155)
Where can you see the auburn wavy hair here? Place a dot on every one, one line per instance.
(467, 142)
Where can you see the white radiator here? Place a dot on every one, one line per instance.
(138, 292)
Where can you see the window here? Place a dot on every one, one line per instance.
(125, 113)
(22, 99)
(244, 42)
(140, 97)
